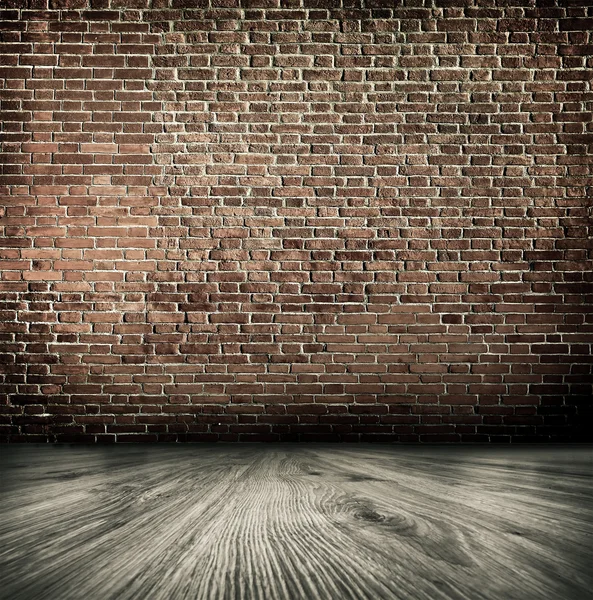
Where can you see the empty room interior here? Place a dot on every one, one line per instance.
(296, 300)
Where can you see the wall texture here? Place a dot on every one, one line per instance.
(277, 220)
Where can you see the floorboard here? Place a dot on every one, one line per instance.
(296, 521)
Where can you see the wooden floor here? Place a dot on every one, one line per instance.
(296, 521)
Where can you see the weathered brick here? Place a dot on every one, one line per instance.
(295, 223)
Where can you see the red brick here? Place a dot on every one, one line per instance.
(275, 235)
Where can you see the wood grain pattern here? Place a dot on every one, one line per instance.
(296, 521)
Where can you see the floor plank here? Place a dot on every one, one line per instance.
(296, 521)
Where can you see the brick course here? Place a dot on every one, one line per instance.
(295, 220)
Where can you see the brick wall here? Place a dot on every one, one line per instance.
(269, 220)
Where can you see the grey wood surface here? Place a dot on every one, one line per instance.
(296, 521)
